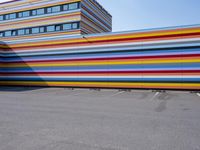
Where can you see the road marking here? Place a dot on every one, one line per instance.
(85, 92)
(118, 93)
(156, 94)
(198, 94)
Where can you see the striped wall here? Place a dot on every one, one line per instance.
(94, 19)
(150, 59)
(92, 16)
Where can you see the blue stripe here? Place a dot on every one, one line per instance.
(102, 79)
(106, 67)
(100, 55)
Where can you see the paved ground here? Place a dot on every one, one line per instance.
(64, 119)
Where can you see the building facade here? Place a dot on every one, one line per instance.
(167, 58)
(33, 18)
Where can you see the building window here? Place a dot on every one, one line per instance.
(13, 33)
(75, 26)
(1, 34)
(26, 13)
(13, 16)
(8, 33)
(35, 30)
(27, 31)
(7, 17)
(49, 10)
(58, 27)
(21, 32)
(56, 9)
(67, 26)
(20, 14)
(50, 28)
(40, 11)
(65, 7)
(73, 6)
(1, 18)
(41, 29)
(34, 12)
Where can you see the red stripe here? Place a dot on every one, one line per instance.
(116, 40)
(103, 72)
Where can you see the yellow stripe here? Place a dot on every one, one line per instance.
(114, 37)
(103, 63)
(100, 83)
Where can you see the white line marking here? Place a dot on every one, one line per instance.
(118, 93)
(198, 94)
(156, 94)
(80, 93)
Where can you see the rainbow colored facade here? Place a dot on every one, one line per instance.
(166, 58)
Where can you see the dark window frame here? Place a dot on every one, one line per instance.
(34, 12)
(27, 31)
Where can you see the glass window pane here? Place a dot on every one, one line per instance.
(1, 34)
(27, 31)
(26, 13)
(40, 11)
(8, 33)
(13, 16)
(56, 9)
(34, 12)
(7, 17)
(75, 25)
(50, 28)
(1, 18)
(21, 32)
(14, 33)
(66, 7)
(35, 30)
(41, 29)
(20, 14)
(73, 6)
(58, 27)
(67, 26)
(49, 10)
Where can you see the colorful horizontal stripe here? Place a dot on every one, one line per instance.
(167, 58)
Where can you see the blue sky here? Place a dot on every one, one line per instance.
(144, 14)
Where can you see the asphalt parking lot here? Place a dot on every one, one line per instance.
(82, 119)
